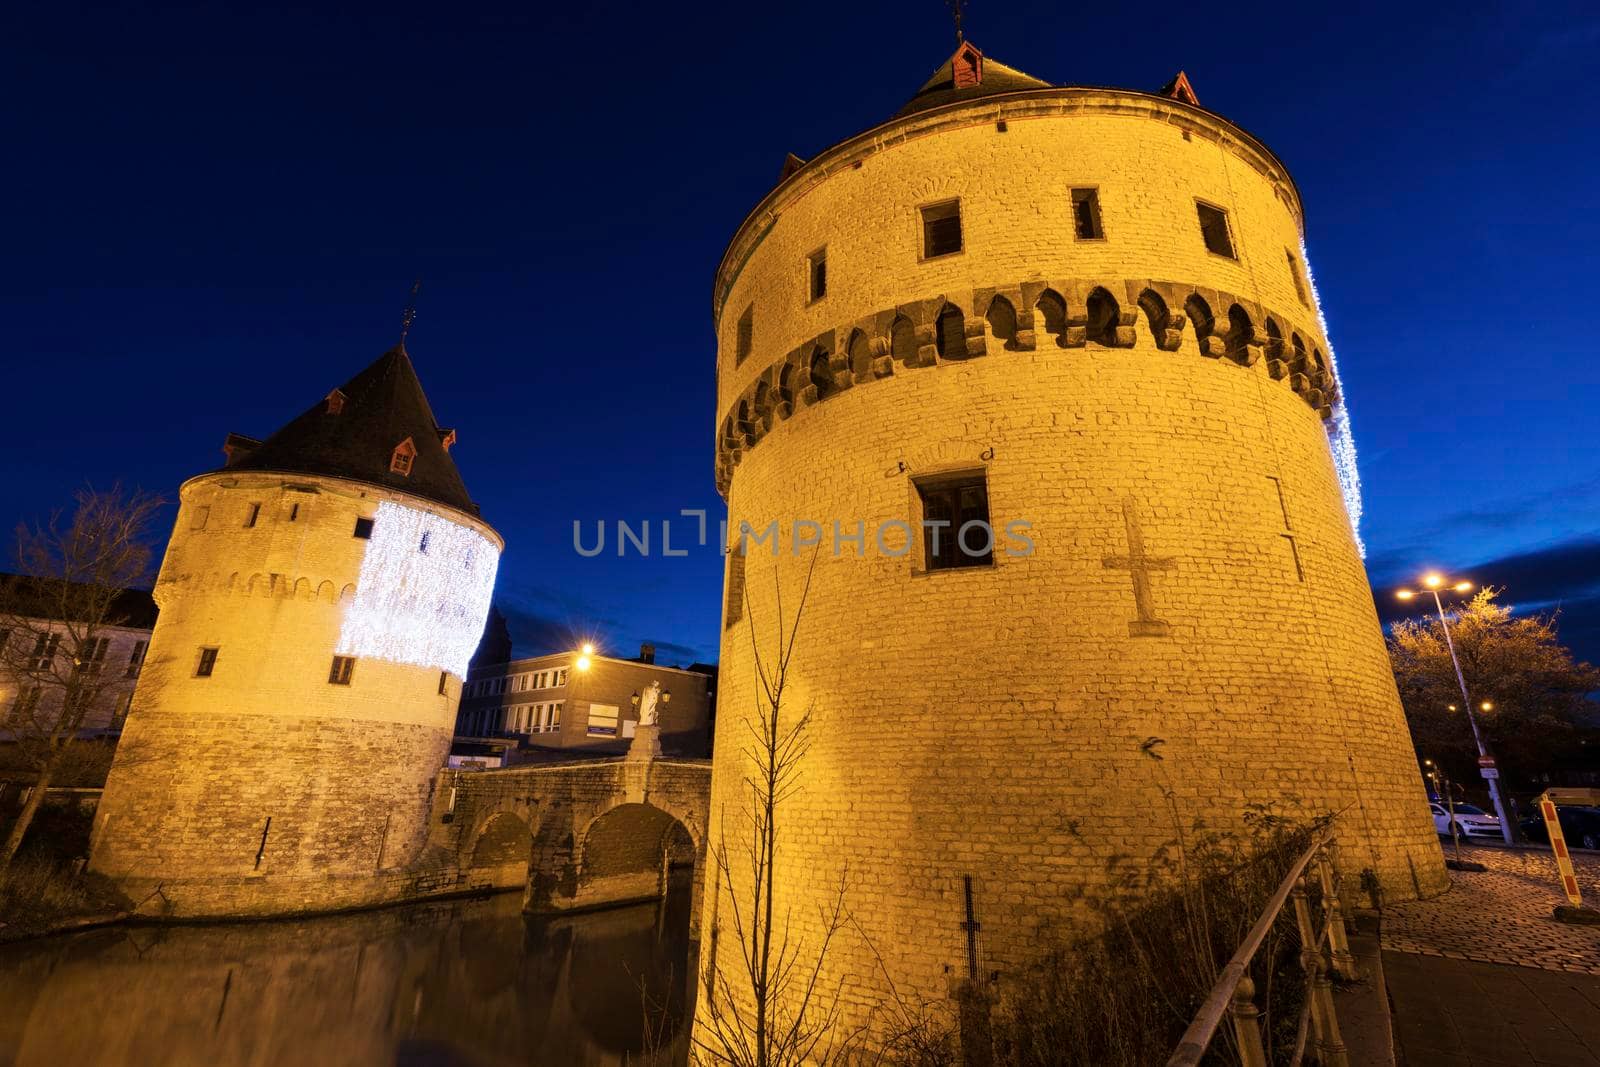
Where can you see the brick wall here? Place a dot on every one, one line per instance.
(685, 719)
(344, 772)
(996, 721)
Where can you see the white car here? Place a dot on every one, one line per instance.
(1470, 820)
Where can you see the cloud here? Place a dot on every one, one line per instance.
(1564, 575)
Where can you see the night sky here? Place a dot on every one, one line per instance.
(214, 216)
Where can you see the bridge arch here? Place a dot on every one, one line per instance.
(502, 849)
(627, 853)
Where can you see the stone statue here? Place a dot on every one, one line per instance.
(647, 703)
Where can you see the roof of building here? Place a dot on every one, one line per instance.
(43, 598)
(968, 74)
(354, 431)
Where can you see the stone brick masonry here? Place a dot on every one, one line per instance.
(1001, 722)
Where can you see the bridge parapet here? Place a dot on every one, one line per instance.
(577, 835)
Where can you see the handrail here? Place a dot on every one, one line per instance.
(1204, 1025)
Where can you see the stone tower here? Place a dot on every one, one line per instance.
(1082, 315)
(320, 597)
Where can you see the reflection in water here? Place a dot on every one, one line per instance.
(466, 982)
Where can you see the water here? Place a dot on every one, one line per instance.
(464, 982)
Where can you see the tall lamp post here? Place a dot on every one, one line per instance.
(1433, 582)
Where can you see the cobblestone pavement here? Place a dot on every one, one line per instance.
(1502, 915)
(1483, 974)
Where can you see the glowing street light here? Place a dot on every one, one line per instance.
(1433, 581)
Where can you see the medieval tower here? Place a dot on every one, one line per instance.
(1082, 319)
(320, 597)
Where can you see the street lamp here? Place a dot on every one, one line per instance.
(1433, 582)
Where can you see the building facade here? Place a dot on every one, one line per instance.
(1040, 375)
(586, 703)
(320, 598)
(36, 654)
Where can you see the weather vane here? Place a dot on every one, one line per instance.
(410, 314)
(955, 8)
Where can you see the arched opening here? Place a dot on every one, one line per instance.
(1199, 313)
(1103, 316)
(786, 389)
(763, 405)
(1156, 316)
(1053, 313)
(502, 850)
(1002, 319)
(860, 352)
(950, 333)
(729, 440)
(903, 340)
(821, 372)
(630, 853)
(1274, 340)
(1241, 331)
(743, 428)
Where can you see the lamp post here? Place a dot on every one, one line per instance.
(1433, 582)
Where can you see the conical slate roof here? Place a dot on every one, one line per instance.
(354, 432)
(980, 76)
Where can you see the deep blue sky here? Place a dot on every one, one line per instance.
(213, 215)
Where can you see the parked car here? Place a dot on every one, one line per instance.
(1471, 821)
(1580, 826)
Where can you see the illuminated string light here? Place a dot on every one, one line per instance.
(415, 604)
(1340, 438)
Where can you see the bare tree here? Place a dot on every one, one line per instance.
(768, 1010)
(54, 614)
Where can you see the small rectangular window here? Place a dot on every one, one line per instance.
(1299, 278)
(1086, 215)
(255, 513)
(294, 512)
(136, 659)
(44, 651)
(1214, 228)
(734, 611)
(603, 720)
(444, 681)
(343, 667)
(744, 337)
(941, 229)
(119, 714)
(207, 664)
(955, 522)
(422, 546)
(197, 518)
(817, 275)
(364, 529)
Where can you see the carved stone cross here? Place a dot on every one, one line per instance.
(1139, 564)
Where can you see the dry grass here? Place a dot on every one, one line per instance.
(1168, 926)
(44, 886)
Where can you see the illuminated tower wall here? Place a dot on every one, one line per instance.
(260, 777)
(1155, 402)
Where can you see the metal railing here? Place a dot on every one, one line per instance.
(1324, 948)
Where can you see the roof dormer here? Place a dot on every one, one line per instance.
(335, 401)
(401, 458)
(966, 66)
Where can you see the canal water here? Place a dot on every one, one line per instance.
(460, 982)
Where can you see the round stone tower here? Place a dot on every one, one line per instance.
(1080, 318)
(320, 597)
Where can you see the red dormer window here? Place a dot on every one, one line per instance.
(335, 402)
(402, 456)
(447, 438)
(967, 67)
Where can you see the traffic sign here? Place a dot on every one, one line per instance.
(1486, 761)
(1489, 773)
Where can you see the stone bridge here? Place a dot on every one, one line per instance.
(577, 835)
